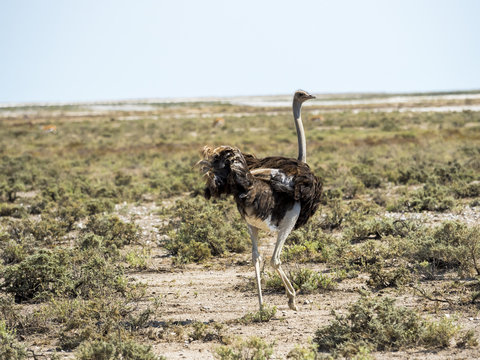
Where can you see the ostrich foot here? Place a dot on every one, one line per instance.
(291, 304)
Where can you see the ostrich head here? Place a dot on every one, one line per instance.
(301, 96)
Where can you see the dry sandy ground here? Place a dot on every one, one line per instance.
(218, 292)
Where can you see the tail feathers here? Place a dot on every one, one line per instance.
(226, 172)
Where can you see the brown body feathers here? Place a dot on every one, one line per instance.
(270, 186)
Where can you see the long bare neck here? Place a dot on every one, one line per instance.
(302, 146)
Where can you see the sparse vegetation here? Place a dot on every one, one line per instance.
(399, 218)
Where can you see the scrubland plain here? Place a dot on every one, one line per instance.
(108, 249)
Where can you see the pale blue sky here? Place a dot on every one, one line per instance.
(58, 50)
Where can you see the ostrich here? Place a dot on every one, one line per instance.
(276, 193)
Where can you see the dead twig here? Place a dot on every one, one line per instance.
(429, 297)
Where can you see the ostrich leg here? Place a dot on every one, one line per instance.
(286, 226)
(256, 259)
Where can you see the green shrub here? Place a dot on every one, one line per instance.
(451, 245)
(264, 315)
(409, 173)
(370, 228)
(89, 240)
(205, 229)
(199, 330)
(306, 244)
(303, 252)
(10, 348)
(450, 172)
(69, 212)
(114, 231)
(122, 179)
(204, 332)
(138, 259)
(114, 349)
(351, 187)
(334, 215)
(61, 272)
(98, 206)
(80, 320)
(308, 281)
(389, 124)
(253, 348)
(463, 190)
(48, 230)
(439, 334)
(39, 275)
(302, 353)
(12, 252)
(380, 325)
(468, 340)
(92, 275)
(431, 197)
(381, 278)
(13, 210)
(367, 176)
(10, 189)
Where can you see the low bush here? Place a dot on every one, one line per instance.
(333, 215)
(62, 272)
(114, 231)
(10, 188)
(203, 229)
(252, 348)
(12, 210)
(366, 176)
(451, 245)
(470, 190)
(98, 206)
(371, 228)
(264, 315)
(12, 252)
(69, 211)
(379, 325)
(138, 259)
(381, 278)
(306, 244)
(41, 274)
(302, 353)
(10, 347)
(411, 172)
(114, 348)
(452, 171)
(431, 197)
(204, 332)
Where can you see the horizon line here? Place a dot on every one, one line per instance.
(180, 99)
